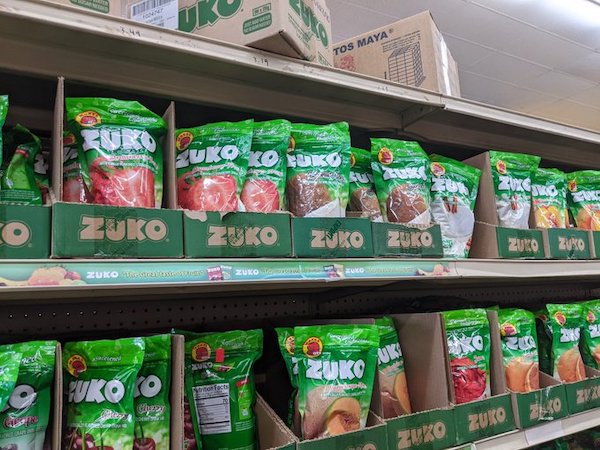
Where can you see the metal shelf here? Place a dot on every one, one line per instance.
(542, 433)
(97, 49)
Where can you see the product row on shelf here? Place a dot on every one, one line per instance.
(422, 380)
(127, 182)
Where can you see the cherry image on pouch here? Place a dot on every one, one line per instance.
(133, 187)
(213, 193)
(74, 440)
(469, 380)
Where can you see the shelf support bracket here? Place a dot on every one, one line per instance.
(415, 113)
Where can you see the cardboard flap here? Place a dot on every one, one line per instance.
(423, 344)
(548, 381)
(497, 378)
(272, 431)
(485, 205)
(57, 139)
(591, 372)
(176, 398)
(57, 403)
(169, 157)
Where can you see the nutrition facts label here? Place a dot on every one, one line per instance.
(212, 404)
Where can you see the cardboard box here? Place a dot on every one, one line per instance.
(24, 232)
(234, 235)
(480, 419)
(490, 240)
(55, 423)
(411, 51)
(112, 7)
(331, 237)
(391, 239)
(431, 426)
(272, 432)
(567, 243)
(177, 388)
(585, 394)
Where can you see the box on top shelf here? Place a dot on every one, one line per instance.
(392, 239)
(411, 51)
(112, 7)
(82, 230)
(431, 425)
(297, 28)
(490, 240)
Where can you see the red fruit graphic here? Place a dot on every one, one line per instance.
(213, 193)
(133, 187)
(560, 318)
(508, 329)
(260, 196)
(468, 379)
(144, 444)
(313, 348)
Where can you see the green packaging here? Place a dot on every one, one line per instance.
(119, 150)
(40, 173)
(286, 342)
(264, 188)
(468, 336)
(395, 399)
(402, 181)
(9, 372)
(26, 415)
(363, 198)
(519, 349)
(336, 372)
(590, 341)
(212, 161)
(219, 384)
(549, 198)
(74, 189)
(318, 170)
(559, 329)
(151, 396)
(99, 386)
(511, 173)
(454, 188)
(3, 112)
(18, 184)
(584, 198)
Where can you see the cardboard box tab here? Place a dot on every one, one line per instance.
(594, 237)
(330, 237)
(567, 243)
(491, 241)
(24, 232)
(542, 405)
(585, 394)
(211, 235)
(390, 239)
(82, 230)
(411, 51)
(272, 432)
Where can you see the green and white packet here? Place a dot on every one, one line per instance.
(336, 372)
(454, 187)
(212, 162)
(395, 399)
(511, 175)
(99, 386)
(3, 113)
(549, 198)
(286, 342)
(219, 384)
(584, 198)
(402, 181)
(590, 339)
(264, 187)
(152, 396)
(26, 415)
(363, 198)
(469, 346)
(318, 170)
(9, 372)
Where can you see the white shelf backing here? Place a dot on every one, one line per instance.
(119, 53)
(542, 433)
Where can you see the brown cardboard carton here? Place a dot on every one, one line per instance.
(112, 7)
(177, 383)
(411, 51)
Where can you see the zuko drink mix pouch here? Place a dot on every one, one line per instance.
(584, 198)
(549, 198)
(363, 198)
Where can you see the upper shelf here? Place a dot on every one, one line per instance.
(98, 49)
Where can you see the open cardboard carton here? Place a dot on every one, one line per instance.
(272, 432)
(480, 419)
(490, 240)
(236, 234)
(394, 239)
(547, 403)
(84, 230)
(585, 394)
(24, 231)
(431, 425)
(332, 237)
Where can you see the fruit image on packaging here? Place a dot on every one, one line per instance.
(549, 198)
(590, 341)
(336, 372)
(3, 112)
(318, 170)
(559, 334)
(583, 195)
(151, 396)
(212, 161)
(511, 174)
(264, 188)
(119, 150)
(219, 385)
(395, 400)
(18, 184)
(402, 181)
(25, 417)
(363, 198)
(9, 372)
(287, 345)
(454, 187)
(468, 337)
(74, 189)
(99, 387)
(519, 349)
(40, 173)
